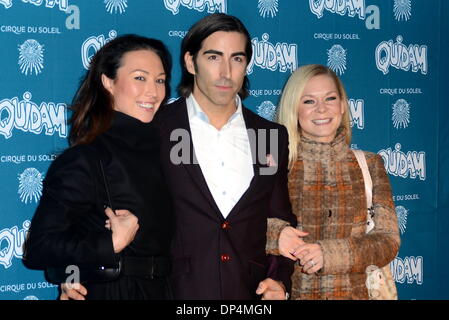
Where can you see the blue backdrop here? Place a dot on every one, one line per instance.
(391, 55)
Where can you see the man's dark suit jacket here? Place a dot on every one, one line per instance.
(214, 257)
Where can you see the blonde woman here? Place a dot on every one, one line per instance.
(327, 193)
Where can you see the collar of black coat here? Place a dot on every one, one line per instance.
(133, 132)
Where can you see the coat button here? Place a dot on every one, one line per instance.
(225, 257)
(225, 225)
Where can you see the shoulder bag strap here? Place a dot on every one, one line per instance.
(100, 152)
(360, 156)
(106, 186)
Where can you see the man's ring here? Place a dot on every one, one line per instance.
(312, 263)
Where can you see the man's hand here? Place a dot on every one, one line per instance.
(71, 291)
(271, 290)
(289, 240)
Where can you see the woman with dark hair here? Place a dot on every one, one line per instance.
(111, 176)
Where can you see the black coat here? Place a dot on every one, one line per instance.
(69, 224)
(213, 257)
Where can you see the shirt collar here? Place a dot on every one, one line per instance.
(194, 110)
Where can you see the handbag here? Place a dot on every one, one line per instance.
(379, 281)
(86, 274)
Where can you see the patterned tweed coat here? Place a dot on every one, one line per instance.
(327, 193)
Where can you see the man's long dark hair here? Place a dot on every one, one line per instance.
(93, 105)
(193, 41)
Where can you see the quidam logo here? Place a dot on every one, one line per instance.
(6, 3)
(336, 59)
(410, 269)
(30, 185)
(401, 114)
(31, 57)
(267, 55)
(400, 164)
(11, 243)
(92, 44)
(63, 4)
(268, 8)
(399, 56)
(357, 113)
(267, 110)
(112, 6)
(27, 116)
(402, 9)
(352, 8)
(72, 21)
(198, 5)
(31, 298)
(402, 214)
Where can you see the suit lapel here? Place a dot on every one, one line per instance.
(251, 127)
(252, 130)
(193, 168)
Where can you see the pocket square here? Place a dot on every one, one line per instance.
(270, 161)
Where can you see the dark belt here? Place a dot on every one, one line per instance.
(148, 267)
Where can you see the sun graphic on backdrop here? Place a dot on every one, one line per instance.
(6, 3)
(268, 7)
(337, 59)
(116, 5)
(31, 57)
(401, 114)
(267, 110)
(402, 213)
(402, 9)
(30, 185)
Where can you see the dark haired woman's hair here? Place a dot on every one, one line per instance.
(92, 104)
(193, 41)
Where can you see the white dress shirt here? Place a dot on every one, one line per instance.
(224, 155)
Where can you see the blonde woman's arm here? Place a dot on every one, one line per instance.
(380, 245)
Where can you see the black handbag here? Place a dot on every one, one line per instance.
(86, 274)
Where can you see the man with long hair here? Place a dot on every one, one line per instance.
(222, 195)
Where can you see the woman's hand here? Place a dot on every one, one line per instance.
(271, 290)
(123, 225)
(289, 240)
(310, 257)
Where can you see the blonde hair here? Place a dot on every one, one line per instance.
(288, 107)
